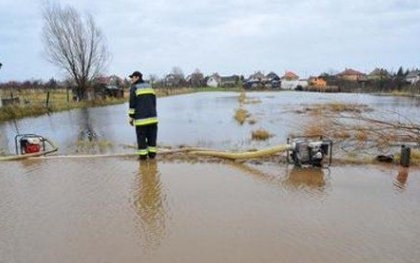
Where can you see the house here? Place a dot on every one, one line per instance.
(294, 84)
(173, 80)
(214, 81)
(317, 82)
(255, 81)
(413, 76)
(257, 76)
(272, 81)
(378, 74)
(105, 86)
(352, 75)
(253, 84)
(289, 75)
(112, 91)
(260, 81)
(272, 76)
(291, 81)
(229, 81)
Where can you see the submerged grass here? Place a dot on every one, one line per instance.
(335, 107)
(415, 156)
(241, 115)
(261, 135)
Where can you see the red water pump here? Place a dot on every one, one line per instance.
(29, 143)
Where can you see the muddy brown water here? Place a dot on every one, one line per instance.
(120, 210)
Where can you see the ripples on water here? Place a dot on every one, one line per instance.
(117, 210)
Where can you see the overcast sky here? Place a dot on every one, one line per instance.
(307, 37)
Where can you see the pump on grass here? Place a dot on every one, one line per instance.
(314, 151)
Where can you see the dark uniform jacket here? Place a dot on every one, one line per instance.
(142, 104)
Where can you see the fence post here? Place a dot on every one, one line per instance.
(405, 156)
(48, 99)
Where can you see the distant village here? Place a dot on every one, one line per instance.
(348, 80)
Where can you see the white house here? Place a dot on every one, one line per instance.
(293, 84)
(413, 76)
(213, 81)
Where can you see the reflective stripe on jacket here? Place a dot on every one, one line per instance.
(147, 121)
(142, 104)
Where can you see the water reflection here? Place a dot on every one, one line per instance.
(309, 179)
(87, 139)
(400, 181)
(86, 131)
(31, 165)
(256, 173)
(149, 202)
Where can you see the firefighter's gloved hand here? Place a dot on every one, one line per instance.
(131, 121)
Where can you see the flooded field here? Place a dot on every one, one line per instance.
(200, 119)
(120, 210)
(62, 209)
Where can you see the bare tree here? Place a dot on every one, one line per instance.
(197, 79)
(75, 44)
(177, 71)
(357, 128)
(153, 78)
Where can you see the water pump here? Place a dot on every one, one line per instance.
(309, 151)
(29, 143)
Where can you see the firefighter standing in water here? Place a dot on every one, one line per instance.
(143, 115)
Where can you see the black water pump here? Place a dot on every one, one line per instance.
(309, 151)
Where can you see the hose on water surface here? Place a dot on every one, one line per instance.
(243, 155)
(186, 150)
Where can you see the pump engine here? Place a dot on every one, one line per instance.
(29, 143)
(309, 151)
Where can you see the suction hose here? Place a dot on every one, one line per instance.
(243, 155)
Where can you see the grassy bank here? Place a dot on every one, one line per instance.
(32, 109)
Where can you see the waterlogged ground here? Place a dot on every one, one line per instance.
(118, 210)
